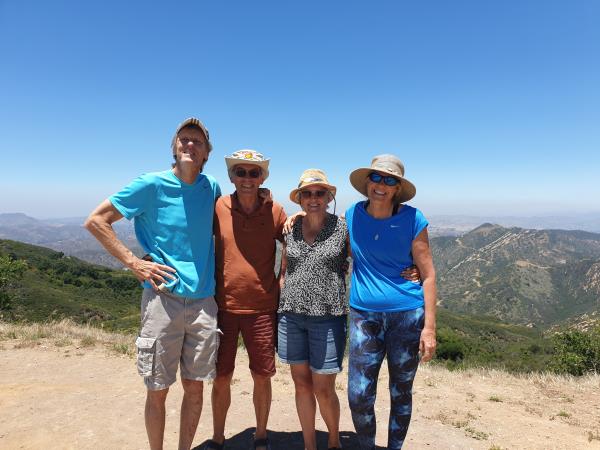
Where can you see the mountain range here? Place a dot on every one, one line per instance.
(535, 277)
(460, 224)
(67, 236)
(518, 275)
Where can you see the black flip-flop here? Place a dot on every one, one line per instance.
(214, 445)
(264, 442)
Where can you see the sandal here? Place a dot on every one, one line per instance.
(264, 442)
(214, 445)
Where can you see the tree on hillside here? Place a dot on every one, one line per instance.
(11, 271)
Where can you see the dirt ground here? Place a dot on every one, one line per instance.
(57, 394)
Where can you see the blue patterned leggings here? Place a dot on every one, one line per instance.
(373, 335)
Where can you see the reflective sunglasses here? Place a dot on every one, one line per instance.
(310, 194)
(387, 179)
(242, 173)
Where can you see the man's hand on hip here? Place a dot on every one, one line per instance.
(152, 272)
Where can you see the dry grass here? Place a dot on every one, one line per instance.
(473, 408)
(64, 334)
(475, 434)
(550, 384)
(593, 435)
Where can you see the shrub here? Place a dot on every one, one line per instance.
(10, 272)
(450, 346)
(577, 352)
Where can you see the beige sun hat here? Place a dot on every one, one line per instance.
(312, 177)
(248, 156)
(191, 121)
(388, 164)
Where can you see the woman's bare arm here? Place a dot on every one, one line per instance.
(422, 257)
(283, 267)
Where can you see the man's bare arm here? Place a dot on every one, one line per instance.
(99, 223)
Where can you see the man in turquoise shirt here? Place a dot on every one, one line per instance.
(173, 213)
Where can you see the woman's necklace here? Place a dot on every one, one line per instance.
(394, 210)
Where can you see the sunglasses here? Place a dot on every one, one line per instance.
(387, 179)
(242, 173)
(310, 194)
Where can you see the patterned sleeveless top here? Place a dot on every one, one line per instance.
(315, 280)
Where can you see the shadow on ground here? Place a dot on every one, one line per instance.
(285, 440)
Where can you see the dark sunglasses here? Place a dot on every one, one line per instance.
(387, 179)
(242, 173)
(310, 194)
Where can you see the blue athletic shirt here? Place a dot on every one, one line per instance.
(381, 249)
(173, 223)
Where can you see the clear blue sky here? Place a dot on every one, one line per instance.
(494, 106)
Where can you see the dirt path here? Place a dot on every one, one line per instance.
(69, 397)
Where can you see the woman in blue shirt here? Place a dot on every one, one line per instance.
(389, 315)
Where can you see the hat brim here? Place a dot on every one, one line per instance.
(294, 194)
(358, 179)
(232, 162)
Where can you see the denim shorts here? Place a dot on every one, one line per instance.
(319, 341)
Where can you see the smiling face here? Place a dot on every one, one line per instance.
(191, 148)
(381, 193)
(245, 183)
(314, 199)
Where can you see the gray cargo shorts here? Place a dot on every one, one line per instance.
(176, 331)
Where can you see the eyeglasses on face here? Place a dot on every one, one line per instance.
(187, 140)
(243, 173)
(310, 194)
(387, 179)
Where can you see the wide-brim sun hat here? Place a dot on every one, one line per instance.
(191, 121)
(389, 165)
(248, 156)
(312, 177)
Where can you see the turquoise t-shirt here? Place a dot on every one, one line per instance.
(173, 223)
(381, 250)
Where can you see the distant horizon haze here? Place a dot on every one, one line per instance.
(41, 211)
(441, 224)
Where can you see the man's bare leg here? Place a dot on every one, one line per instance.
(191, 407)
(262, 403)
(154, 416)
(221, 400)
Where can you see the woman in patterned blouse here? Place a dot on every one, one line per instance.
(312, 309)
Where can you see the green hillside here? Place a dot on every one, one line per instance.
(540, 277)
(479, 341)
(55, 286)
